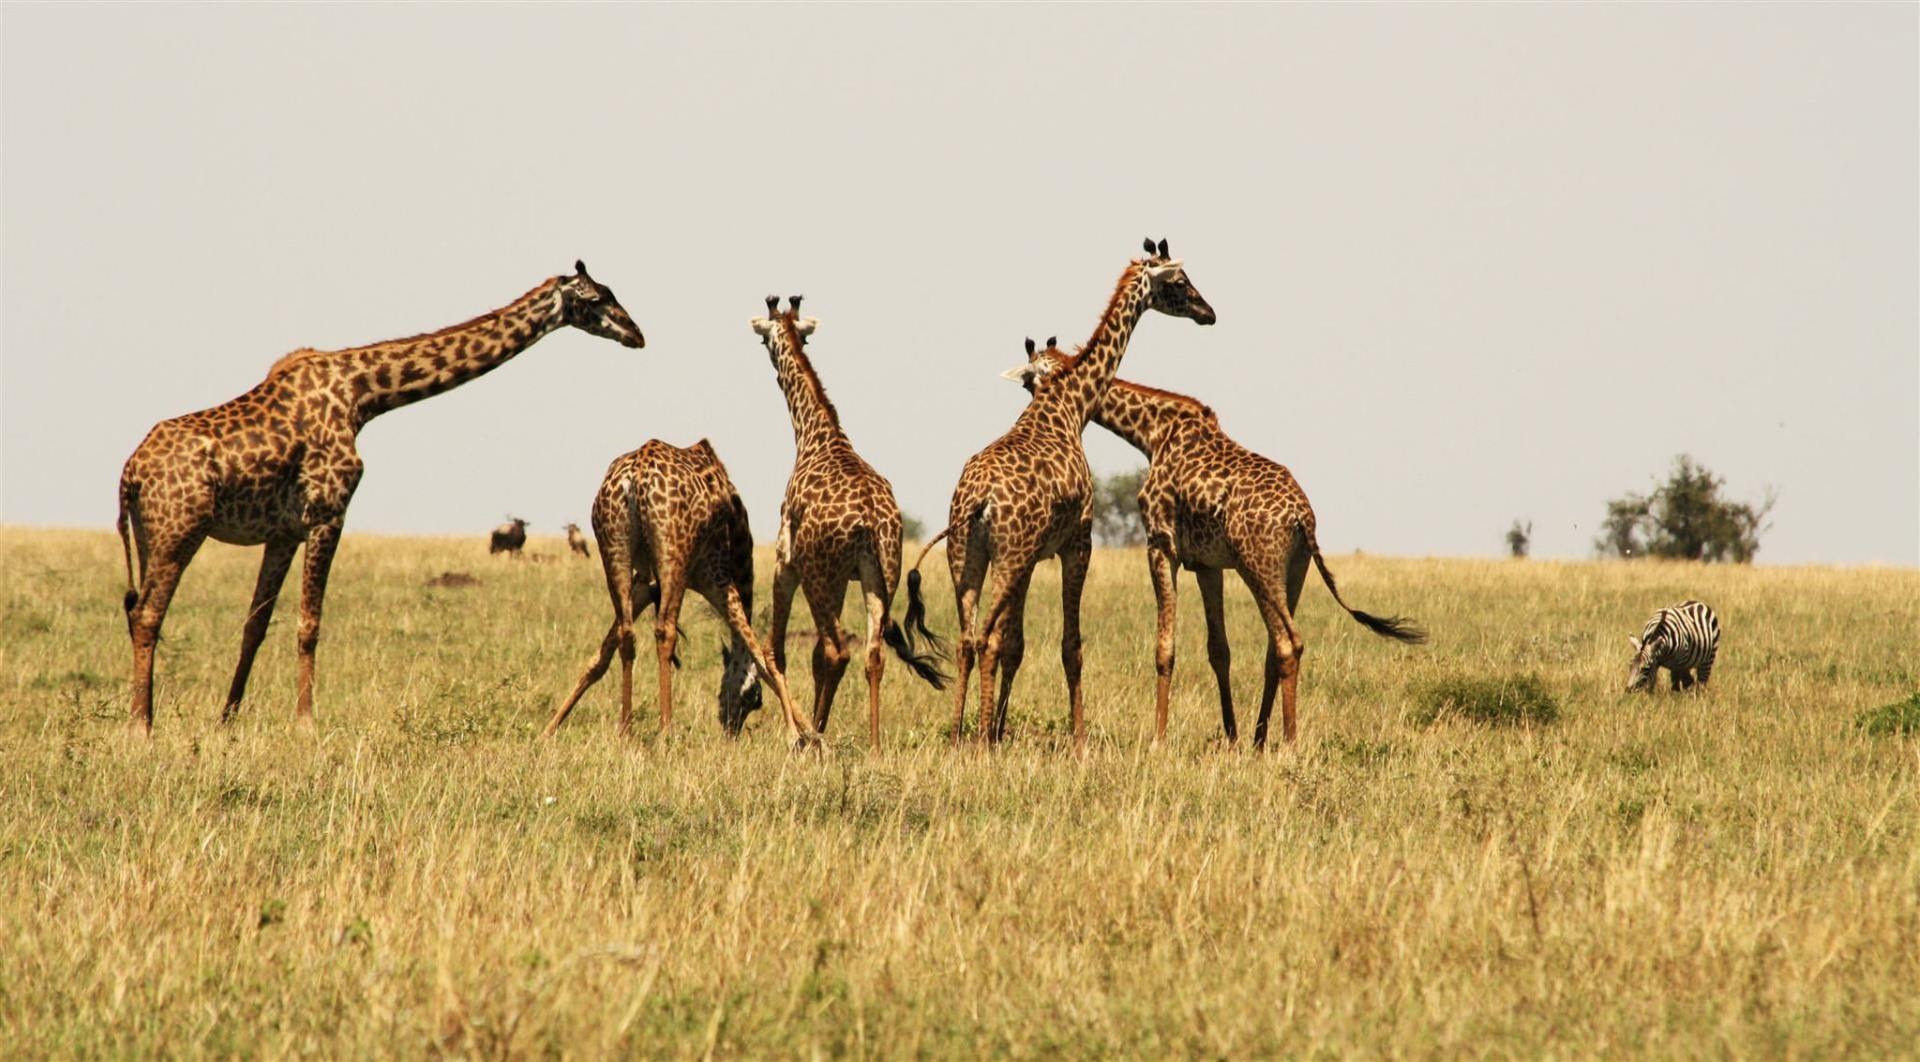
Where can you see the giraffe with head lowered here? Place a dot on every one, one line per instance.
(838, 522)
(1029, 496)
(668, 520)
(277, 466)
(1212, 505)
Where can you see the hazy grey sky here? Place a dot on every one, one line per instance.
(1471, 263)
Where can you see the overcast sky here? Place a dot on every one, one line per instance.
(1471, 263)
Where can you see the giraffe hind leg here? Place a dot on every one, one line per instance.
(168, 561)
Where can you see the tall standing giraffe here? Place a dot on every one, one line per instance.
(1211, 504)
(669, 519)
(277, 465)
(1029, 496)
(838, 522)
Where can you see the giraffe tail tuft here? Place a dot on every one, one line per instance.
(915, 621)
(922, 664)
(1399, 628)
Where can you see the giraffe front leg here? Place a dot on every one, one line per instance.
(1160, 565)
(1219, 648)
(799, 734)
(274, 565)
(1073, 582)
(167, 561)
(593, 674)
(321, 543)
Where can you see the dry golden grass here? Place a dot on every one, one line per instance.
(1733, 873)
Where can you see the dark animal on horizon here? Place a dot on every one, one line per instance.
(509, 537)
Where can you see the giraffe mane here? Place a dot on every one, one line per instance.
(1073, 359)
(788, 324)
(306, 352)
(1106, 315)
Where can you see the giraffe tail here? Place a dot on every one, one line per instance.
(1399, 628)
(913, 573)
(126, 548)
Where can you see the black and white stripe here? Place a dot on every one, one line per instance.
(1682, 638)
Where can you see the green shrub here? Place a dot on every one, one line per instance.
(1521, 700)
(1900, 717)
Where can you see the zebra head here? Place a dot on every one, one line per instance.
(1646, 656)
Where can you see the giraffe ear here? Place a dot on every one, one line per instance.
(1149, 245)
(1163, 249)
(1029, 346)
(806, 325)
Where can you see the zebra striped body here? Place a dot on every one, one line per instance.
(1682, 638)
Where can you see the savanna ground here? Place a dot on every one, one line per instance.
(1731, 873)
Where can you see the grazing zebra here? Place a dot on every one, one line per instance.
(1682, 638)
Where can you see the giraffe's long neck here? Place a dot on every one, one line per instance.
(1147, 417)
(815, 421)
(386, 376)
(1076, 393)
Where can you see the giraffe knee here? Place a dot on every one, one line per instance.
(623, 640)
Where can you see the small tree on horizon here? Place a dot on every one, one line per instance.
(1685, 518)
(1116, 509)
(911, 529)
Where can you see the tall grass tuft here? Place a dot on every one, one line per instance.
(1900, 717)
(1518, 700)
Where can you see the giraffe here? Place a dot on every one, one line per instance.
(1211, 504)
(669, 519)
(838, 522)
(1029, 496)
(277, 465)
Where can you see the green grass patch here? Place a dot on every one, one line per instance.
(1519, 700)
(1900, 717)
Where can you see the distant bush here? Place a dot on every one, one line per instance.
(912, 529)
(1116, 509)
(1521, 700)
(1685, 518)
(1900, 717)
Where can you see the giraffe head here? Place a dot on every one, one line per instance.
(739, 686)
(1173, 291)
(786, 324)
(1041, 363)
(589, 305)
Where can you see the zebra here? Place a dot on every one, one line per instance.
(1682, 638)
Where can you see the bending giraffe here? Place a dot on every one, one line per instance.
(669, 519)
(838, 522)
(1029, 496)
(277, 466)
(1212, 505)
